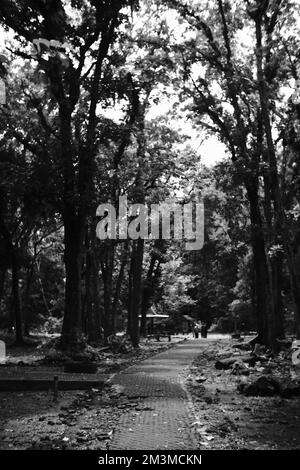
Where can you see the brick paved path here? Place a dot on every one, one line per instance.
(165, 418)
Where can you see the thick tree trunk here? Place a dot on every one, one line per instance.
(145, 305)
(279, 213)
(130, 297)
(16, 304)
(262, 284)
(107, 276)
(260, 265)
(138, 245)
(148, 289)
(118, 287)
(74, 232)
(92, 311)
(72, 324)
(97, 309)
(278, 304)
(136, 294)
(274, 264)
(146, 295)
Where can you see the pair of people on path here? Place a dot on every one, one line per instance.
(203, 330)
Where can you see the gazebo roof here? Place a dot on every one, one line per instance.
(155, 315)
(152, 313)
(187, 317)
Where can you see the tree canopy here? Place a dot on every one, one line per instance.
(115, 98)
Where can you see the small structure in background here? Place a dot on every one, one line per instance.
(187, 324)
(153, 319)
(2, 352)
(296, 354)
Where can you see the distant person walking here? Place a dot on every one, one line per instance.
(196, 331)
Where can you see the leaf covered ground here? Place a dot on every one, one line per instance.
(227, 419)
(77, 420)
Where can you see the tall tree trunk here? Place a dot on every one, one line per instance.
(260, 265)
(145, 305)
(107, 267)
(74, 235)
(138, 245)
(279, 213)
(72, 323)
(16, 304)
(97, 309)
(92, 303)
(239, 143)
(278, 303)
(136, 294)
(118, 286)
(148, 288)
(146, 295)
(130, 296)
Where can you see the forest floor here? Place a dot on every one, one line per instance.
(171, 399)
(227, 418)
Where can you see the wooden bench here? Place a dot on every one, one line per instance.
(157, 336)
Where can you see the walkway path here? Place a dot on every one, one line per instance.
(164, 418)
